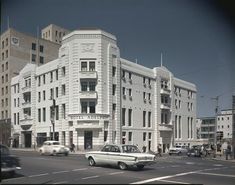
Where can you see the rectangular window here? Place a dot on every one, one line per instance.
(130, 136)
(14, 102)
(149, 119)
(44, 79)
(84, 66)
(144, 80)
(34, 46)
(63, 111)
(6, 89)
(84, 86)
(129, 117)
(57, 112)
(44, 95)
(39, 80)
(56, 74)
(114, 110)
(14, 118)
(51, 74)
(84, 107)
(92, 107)
(18, 118)
(92, 86)
(130, 77)
(33, 58)
(2, 91)
(6, 65)
(63, 71)
(39, 115)
(144, 118)
(124, 91)
(6, 77)
(188, 127)
(2, 67)
(114, 89)
(176, 131)
(123, 116)
(123, 74)
(91, 66)
(130, 92)
(41, 60)
(52, 93)
(114, 71)
(63, 89)
(44, 114)
(192, 128)
(180, 136)
(41, 48)
(144, 136)
(39, 96)
(57, 92)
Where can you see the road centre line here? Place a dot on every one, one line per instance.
(38, 175)
(115, 173)
(174, 182)
(216, 174)
(59, 172)
(61, 182)
(79, 169)
(170, 176)
(91, 177)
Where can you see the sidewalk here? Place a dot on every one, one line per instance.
(77, 152)
(222, 158)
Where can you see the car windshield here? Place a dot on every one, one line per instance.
(4, 150)
(56, 143)
(130, 149)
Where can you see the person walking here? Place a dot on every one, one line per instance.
(72, 147)
(228, 151)
(159, 150)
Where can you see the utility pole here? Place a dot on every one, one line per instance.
(216, 114)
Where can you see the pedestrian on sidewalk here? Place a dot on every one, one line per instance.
(72, 147)
(159, 150)
(228, 151)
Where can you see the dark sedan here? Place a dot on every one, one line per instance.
(9, 163)
(195, 152)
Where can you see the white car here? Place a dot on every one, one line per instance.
(178, 150)
(53, 148)
(122, 156)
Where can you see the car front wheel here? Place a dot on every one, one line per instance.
(91, 161)
(41, 153)
(122, 166)
(140, 167)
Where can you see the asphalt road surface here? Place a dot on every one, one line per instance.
(74, 169)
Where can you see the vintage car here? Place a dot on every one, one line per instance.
(195, 152)
(178, 150)
(53, 148)
(122, 156)
(9, 163)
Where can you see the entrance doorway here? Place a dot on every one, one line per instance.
(28, 139)
(88, 140)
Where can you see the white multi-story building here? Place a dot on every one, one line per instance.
(225, 124)
(100, 97)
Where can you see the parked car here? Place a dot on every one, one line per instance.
(195, 152)
(53, 148)
(9, 163)
(122, 156)
(178, 150)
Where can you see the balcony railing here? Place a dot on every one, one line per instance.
(88, 94)
(165, 91)
(88, 74)
(26, 104)
(26, 89)
(165, 106)
(165, 127)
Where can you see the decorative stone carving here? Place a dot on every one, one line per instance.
(87, 47)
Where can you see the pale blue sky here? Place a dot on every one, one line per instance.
(196, 37)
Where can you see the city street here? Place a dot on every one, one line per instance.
(74, 169)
